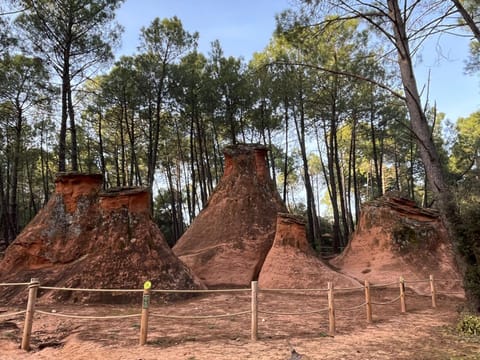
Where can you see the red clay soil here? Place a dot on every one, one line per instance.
(230, 238)
(396, 238)
(292, 264)
(86, 238)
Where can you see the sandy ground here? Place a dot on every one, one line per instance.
(421, 333)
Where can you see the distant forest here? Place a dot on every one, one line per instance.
(333, 95)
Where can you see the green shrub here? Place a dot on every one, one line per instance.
(469, 325)
(472, 281)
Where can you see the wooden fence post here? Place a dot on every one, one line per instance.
(254, 329)
(433, 292)
(27, 327)
(403, 306)
(331, 310)
(368, 302)
(145, 309)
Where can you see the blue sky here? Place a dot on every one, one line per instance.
(242, 26)
(246, 26)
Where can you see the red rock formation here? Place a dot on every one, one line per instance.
(228, 241)
(292, 264)
(57, 233)
(91, 239)
(135, 200)
(396, 238)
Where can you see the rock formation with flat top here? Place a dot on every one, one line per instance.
(88, 238)
(229, 239)
(292, 264)
(394, 238)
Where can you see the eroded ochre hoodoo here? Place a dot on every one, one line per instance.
(88, 238)
(394, 238)
(292, 264)
(228, 241)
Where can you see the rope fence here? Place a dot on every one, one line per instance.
(34, 285)
(386, 302)
(292, 313)
(14, 284)
(383, 285)
(200, 317)
(352, 308)
(10, 315)
(164, 291)
(86, 317)
(89, 290)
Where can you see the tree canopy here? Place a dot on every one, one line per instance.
(333, 95)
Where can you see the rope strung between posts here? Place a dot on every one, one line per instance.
(172, 291)
(14, 284)
(350, 288)
(222, 290)
(419, 295)
(416, 281)
(386, 303)
(199, 317)
(86, 317)
(293, 313)
(289, 290)
(383, 285)
(13, 314)
(92, 290)
(351, 308)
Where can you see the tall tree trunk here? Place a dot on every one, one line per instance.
(135, 174)
(44, 165)
(62, 141)
(353, 153)
(121, 130)
(398, 184)
(285, 165)
(377, 187)
(101, 150)
(329, 142)
(271, 158)
(202, 170)
(154, 130)
(217, 158)
(13, 203)
(3, 212)
(341, 197)
(73, 128)
(468, 19)
(191, 200)
(411, 171)
(231, 121)
(312, 218)
(423, 136)
(117, 165)
(32, 203)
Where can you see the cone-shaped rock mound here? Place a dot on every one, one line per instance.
(88, 238)
(292, 264)
(228, 241)
(396, 238)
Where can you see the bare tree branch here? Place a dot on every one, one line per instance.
(468, 19)
(342, 73)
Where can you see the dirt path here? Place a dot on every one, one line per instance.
(421, 333)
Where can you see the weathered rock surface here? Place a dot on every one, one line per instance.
(88, 238)
(292, 264)
(396, 238)
(228, 241)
